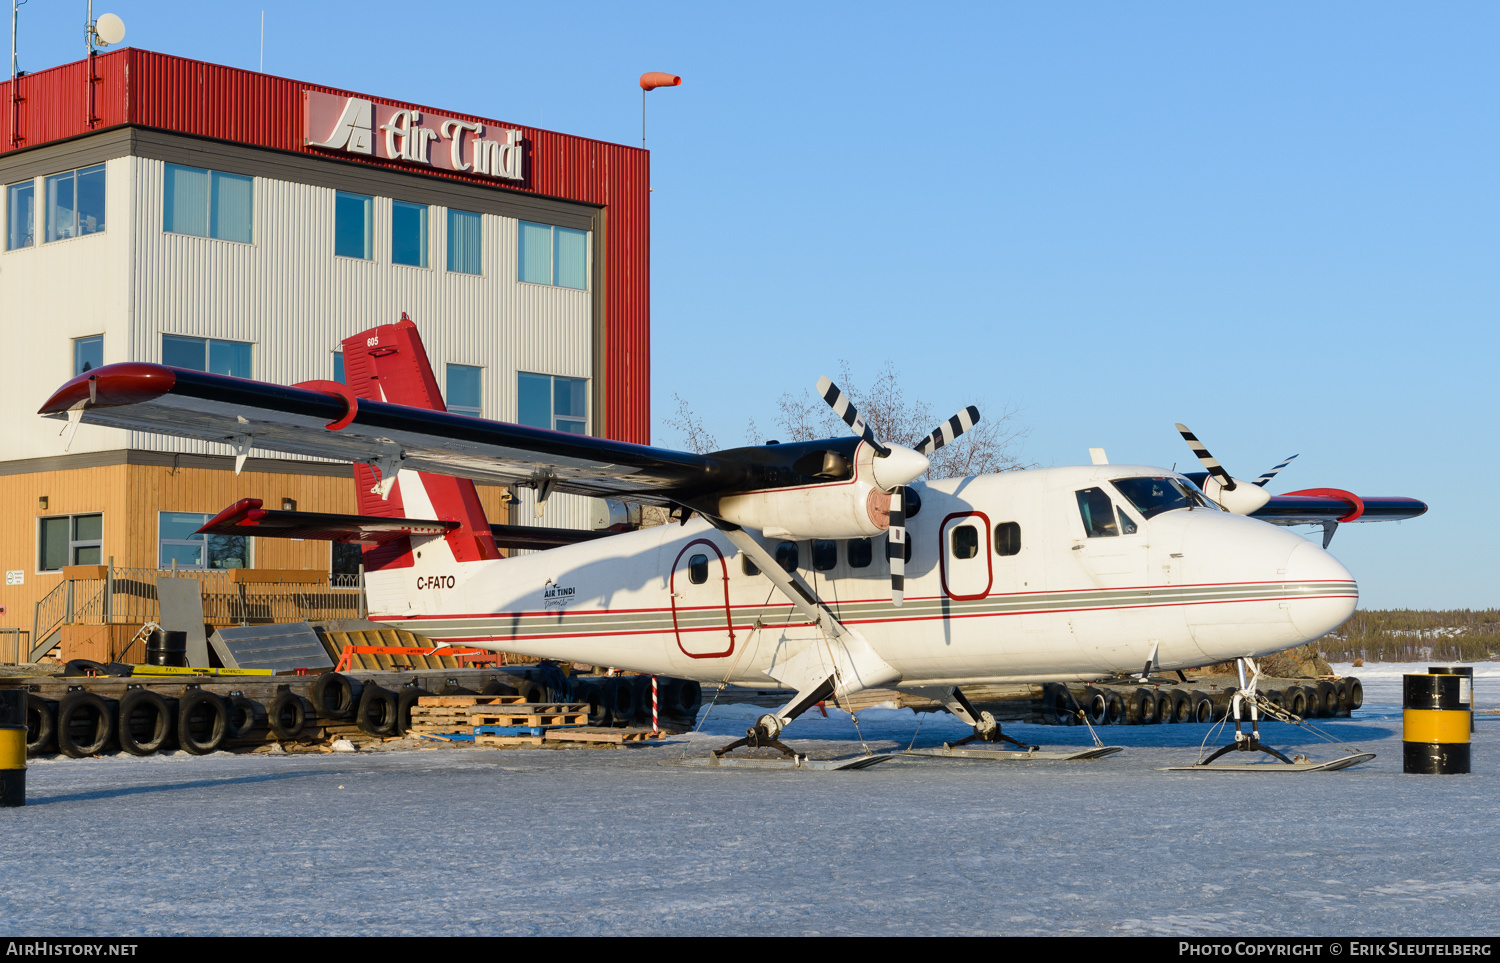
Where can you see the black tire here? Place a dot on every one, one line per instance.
(1277, 698)
(591, 694)
(1182, 706)
(85, 724)
(244, 715)
(1203, 706)
(379, 712)
(1115, 713)
(41, 724)
(1057, 705)
(77, 667)
(1342, 688)
(147, 722)
(1328, 695)
(619, 696)
(202, 721)
(496, 687)
(1314, 702)
(1164, 711)
(287, 715)
(643, 699)
(336, 695)
(532, 691)
(1356, 694)
(1095, 705)
(405, 699)
(1141, 708)
(684, 696)
(1296, 700)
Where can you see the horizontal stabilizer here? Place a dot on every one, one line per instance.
(246, 517)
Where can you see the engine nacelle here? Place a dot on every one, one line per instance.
(852, 509)
(1244, 499)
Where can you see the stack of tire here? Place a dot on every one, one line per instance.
(1149, 705)
(141, 722)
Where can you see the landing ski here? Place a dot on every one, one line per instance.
(1332, 765)
(785, 762)
(1004, 755)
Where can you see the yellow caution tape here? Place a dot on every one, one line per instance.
(178, 670)
(1435, 725)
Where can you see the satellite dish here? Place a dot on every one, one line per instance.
(110, 29)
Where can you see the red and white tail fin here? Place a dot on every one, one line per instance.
(388, 363)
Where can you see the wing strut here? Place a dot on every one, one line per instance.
(846, 663)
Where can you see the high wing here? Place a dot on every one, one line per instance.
(325, 419)
(1319, 506)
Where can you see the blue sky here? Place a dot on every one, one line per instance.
(1274, 222)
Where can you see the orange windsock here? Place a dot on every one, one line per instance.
(655, 79)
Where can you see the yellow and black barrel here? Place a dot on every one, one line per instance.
(12, 747)
(1435, 737)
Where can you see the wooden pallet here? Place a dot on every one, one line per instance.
(597, 734)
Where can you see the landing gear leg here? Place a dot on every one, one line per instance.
(766, 733)
(1243, 703)
(986, 729)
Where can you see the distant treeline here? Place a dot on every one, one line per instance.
(1407, 635)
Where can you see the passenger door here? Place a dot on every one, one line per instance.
(700, 601)
(965, 558)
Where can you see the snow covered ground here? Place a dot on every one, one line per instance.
(467, 841)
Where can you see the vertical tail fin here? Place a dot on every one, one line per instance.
(388, 363)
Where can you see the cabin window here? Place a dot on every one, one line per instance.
(1007, 538)
(965, 541)
(698, 569)
(861, 551)
(747, 566)
(1152, 496)
(1127, 525)
(1098, 513)
(825, 552)
(905, 550)
(786, 556)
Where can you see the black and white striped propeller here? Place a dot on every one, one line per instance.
(895, 467)
(1231, 494)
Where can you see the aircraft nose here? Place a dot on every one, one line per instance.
(1322, 593)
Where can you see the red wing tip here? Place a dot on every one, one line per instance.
(242, 508)
(128, 383)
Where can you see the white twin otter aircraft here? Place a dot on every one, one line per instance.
(822, 567)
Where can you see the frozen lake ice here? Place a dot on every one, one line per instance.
(563, 842)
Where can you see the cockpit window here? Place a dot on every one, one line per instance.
(1098, 513)
(1152, 496)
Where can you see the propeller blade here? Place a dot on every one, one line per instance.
(845, 409)
(1209, 461)
(895, 545)
(949, 430)
(1261, 481)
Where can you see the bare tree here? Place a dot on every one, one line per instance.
(990, 446)
(695, 437)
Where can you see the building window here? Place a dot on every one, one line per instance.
(347, 558)
(207, 203)
(409, 234)
(206, 354)
(465, 243)
(338, 368)
(353, 225)
(88, 353)
(75, 203)
(20, 215)
(69, 540)
(179, 541)
(560, 404)
(465, 390)
(553, 255)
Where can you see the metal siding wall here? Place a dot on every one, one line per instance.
(51, 294)
(145, 88)
(289, 295)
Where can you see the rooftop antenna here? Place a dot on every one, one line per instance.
(262, 41)
(15, 95)
(15, 19)
(104, 32)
